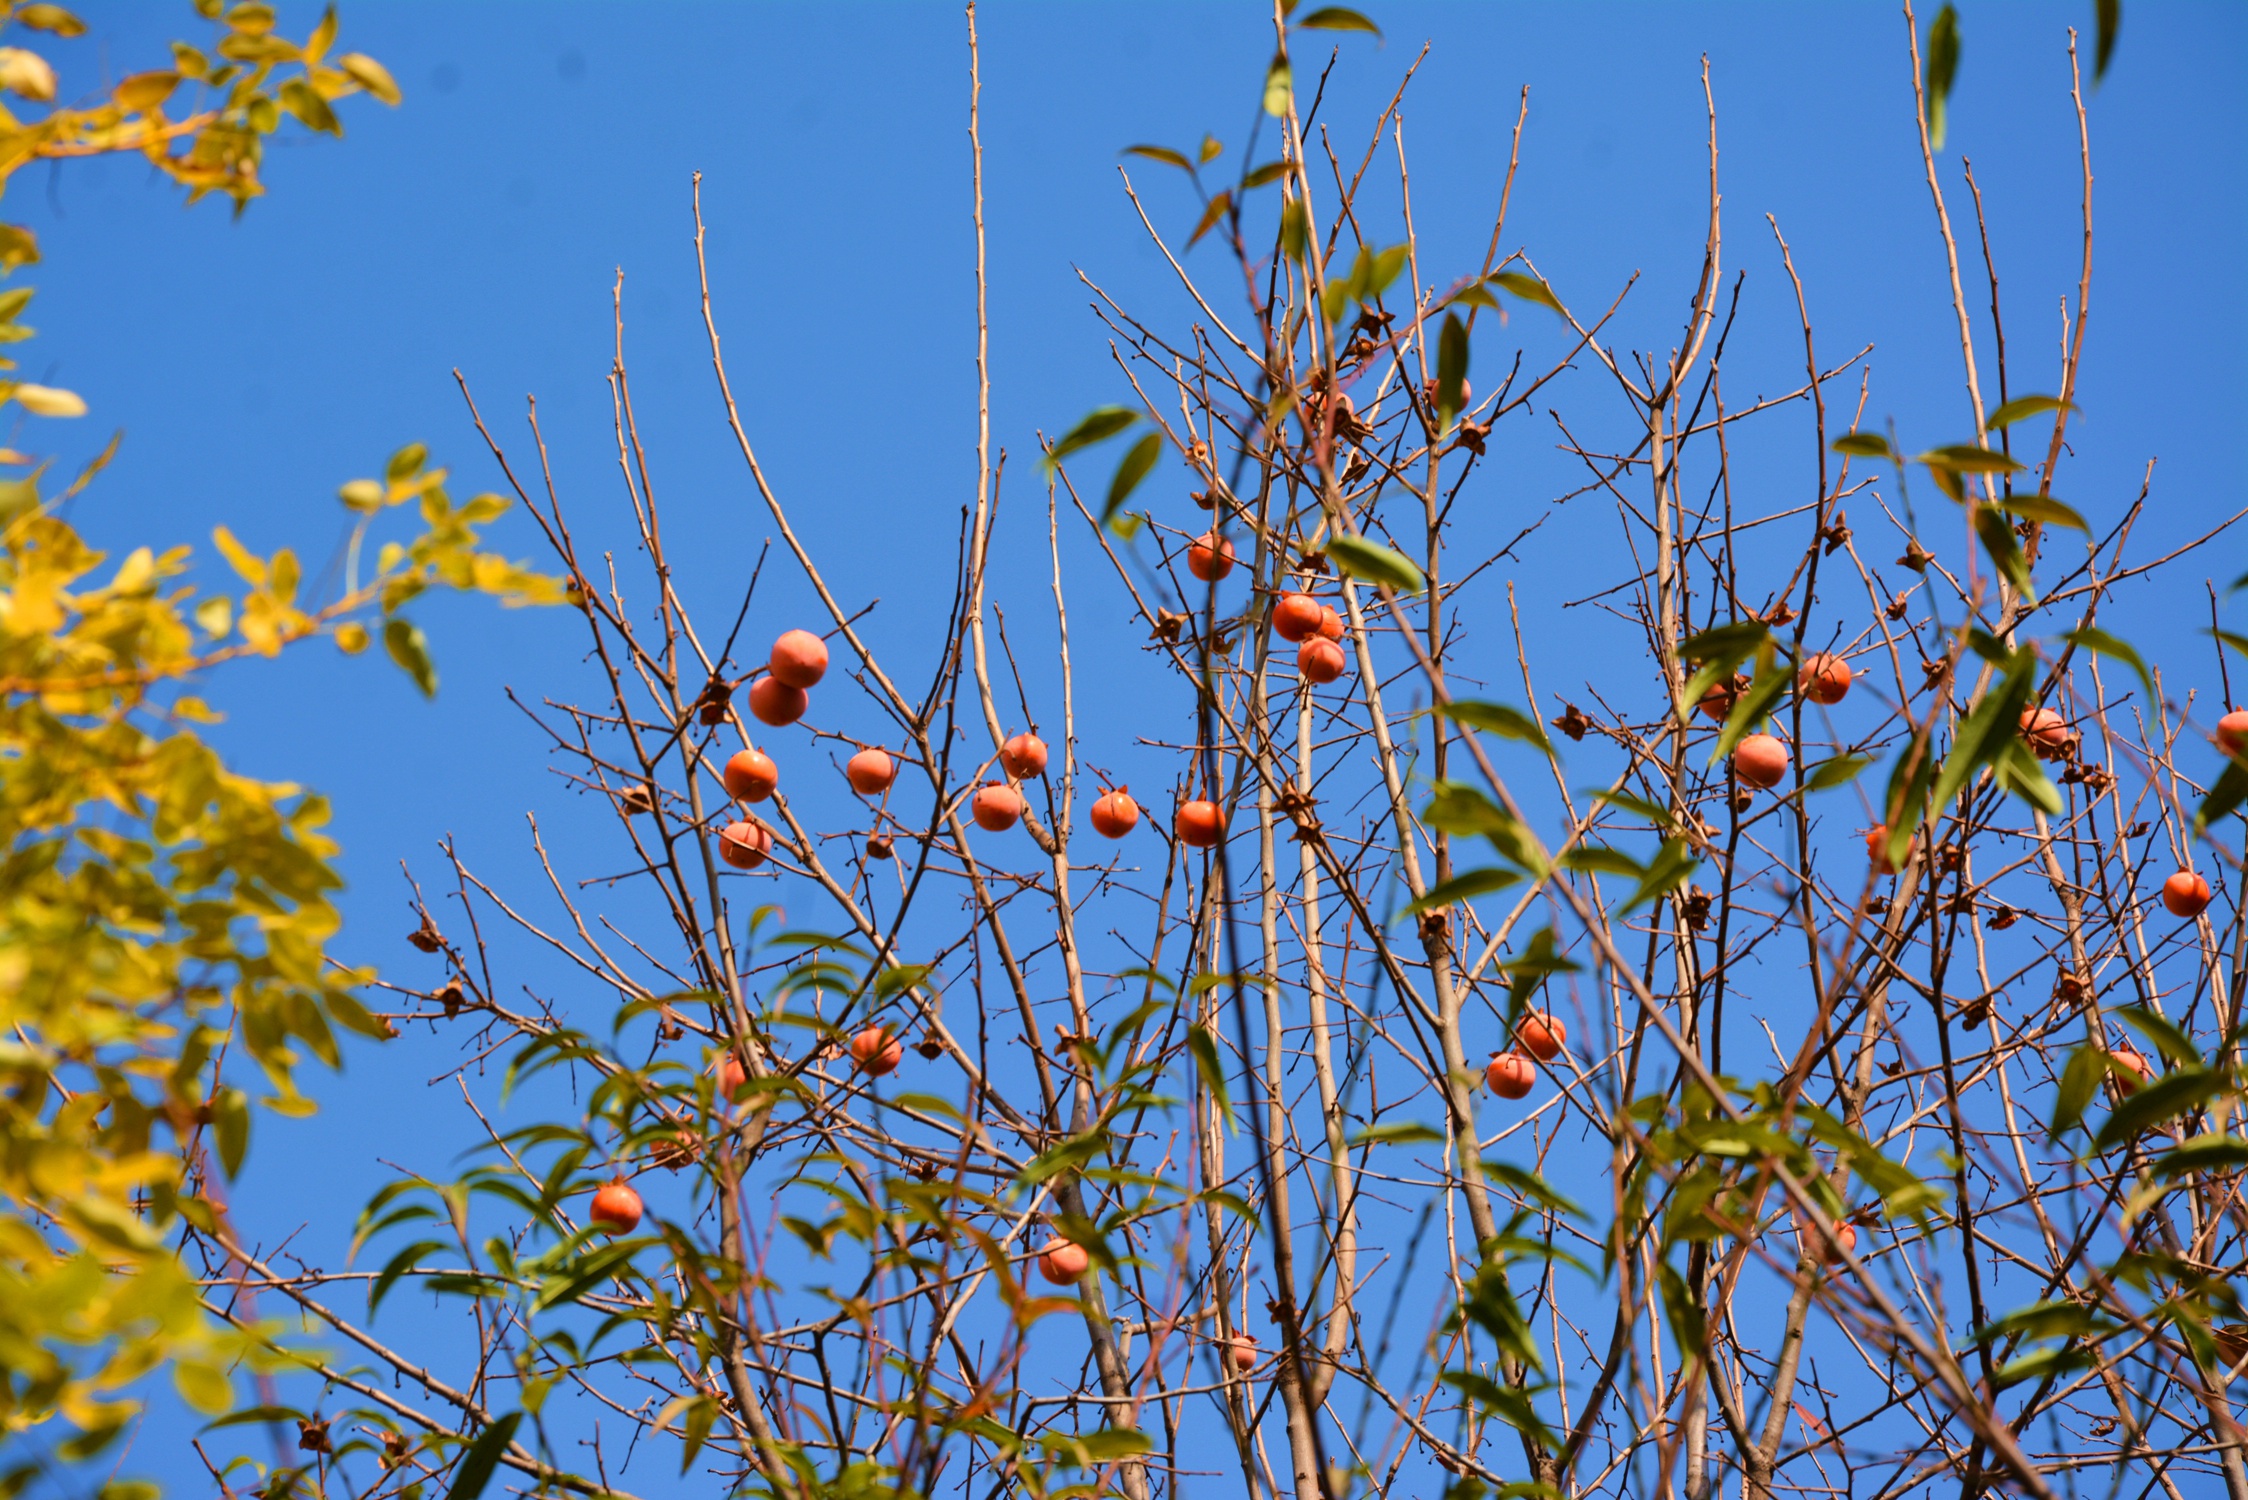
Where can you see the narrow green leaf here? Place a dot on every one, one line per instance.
(1205, 1050)
(1498, 719)
(1749, 711)
(1943, 67)
(2022, 408)
(1997, 535)
(2108, 16)
(1375, 563)
(1212, 211)
(230, 1122)
(483, 1457)
(2229, 792)
(2202, 1153)
(1667, 873)
(1864, 445)
(1097, 425)
(1597, 859)
(1138, 459)
(1530, 289)
(1279, 86)
(2172, 1094)
(2163, 1033)
(2043, 509)
(1451, 370)
(2094, 639)
(1966, 458)
(1270, 172)
(1162, 154)
(1337, 18)
(1399, 1133)
(1840, 771)
(403, 639)
(1464, 888)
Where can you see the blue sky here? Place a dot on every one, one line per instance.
(256, 364)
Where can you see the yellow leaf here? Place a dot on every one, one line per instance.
(371, 76)
(46, 400)
(245, 563)
(351, 636)
(26, 73)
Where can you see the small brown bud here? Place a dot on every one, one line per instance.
(878, 846)
(426, 937)
(1916, 557)
(312, 1437)
(634, 801)
(452, 997)
(1897, 606)
(929, 1047)
(1573, 722)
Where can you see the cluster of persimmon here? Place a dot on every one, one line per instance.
(1538, 1037)
(1760, 760)
(778, 696)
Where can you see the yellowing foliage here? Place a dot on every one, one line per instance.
(163, 921)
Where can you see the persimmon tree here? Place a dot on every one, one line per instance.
(164, 920)
(1793, 1048)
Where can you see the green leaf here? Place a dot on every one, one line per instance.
(1464, 888)
(1295, 233)
(2016, 771)
(2229, 792)
(2042, 509)
(1967, 458)
(1717, 651)
(898, 977)
(483, 1457)
(2172, 1094)
(1337, 18)
(1669, 871)
(1270, 172)
(2094, 639)
(2023, 407)
(1998, 540)
(1530, 1185)
(1498, 719)
(2041, 1364)
(1098, 425)
(1460, 808)
(1113, 1443)
(2163, 1033)
(2213, 1152)
(1864, 445)
(1280, 85)
(1616, 797)
(230, 1122)
(1530, 289)
(1451, 370)
(1138, 459)
(403, 639)
(1840, 771)
(1375, 563)
(1205, 1050)
(1599, 860)
(1212, 211)
(1399, 1133)
(1992, 725)
(1162, 154)
(2107, 15)
(1943, 67)
(1210, 148)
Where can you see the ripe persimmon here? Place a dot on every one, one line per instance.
(1830, 1251)
(1210, 558)
(2132, 1063)
(2047, 732)
(730, 1074)
(1824, 678)
(871, 771)
(1430, 389)
(1542, 1035)
(1297, 617)
(1877, 849)
(750, 776)
(1319, 659)
(799, 658)
(774, 702)
(1198, 823)
(1114, 813)
(1330, 623)
(1760, 760)
(1718, 700)
(1510, 1075)
(1063, 1262)
(875, 1051)
(2232, 733)
(2185, 894)
(744, 845)
(996, 806)
(616, 1207)
(1243, 1352)
(1024, 756)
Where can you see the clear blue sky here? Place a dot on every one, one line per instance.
(257, 364)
